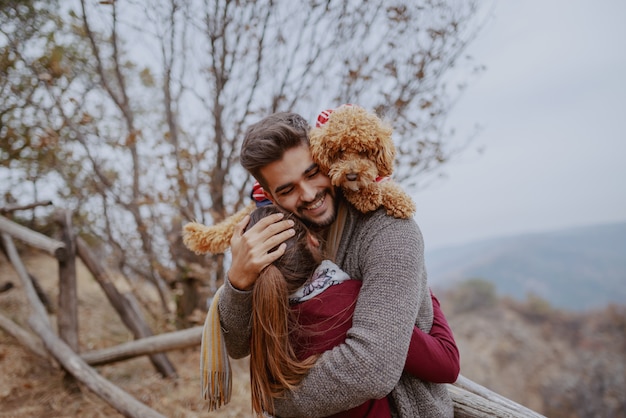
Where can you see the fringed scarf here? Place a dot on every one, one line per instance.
(214, 362)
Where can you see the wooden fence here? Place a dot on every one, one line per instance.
(470, 399)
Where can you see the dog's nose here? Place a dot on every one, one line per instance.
(352, 176)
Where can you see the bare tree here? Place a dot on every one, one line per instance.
(137, 111)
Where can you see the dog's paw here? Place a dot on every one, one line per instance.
(400, 211)
(364, 200)
(397, 203)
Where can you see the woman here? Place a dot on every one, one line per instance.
(297, 315)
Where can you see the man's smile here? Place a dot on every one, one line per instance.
(318, 202)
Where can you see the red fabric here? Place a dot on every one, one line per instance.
(325, 319)
(324, 115)
(434, 357)
(322, 118)
(257, 192)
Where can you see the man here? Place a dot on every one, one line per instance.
(384, 252)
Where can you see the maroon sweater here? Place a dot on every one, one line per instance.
(324, 320)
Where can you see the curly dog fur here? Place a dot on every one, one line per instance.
(355, 148)
(214, 239)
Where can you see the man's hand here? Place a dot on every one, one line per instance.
(251, 250)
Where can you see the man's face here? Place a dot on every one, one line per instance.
(296, 184)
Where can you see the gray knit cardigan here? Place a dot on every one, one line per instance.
(387, 254)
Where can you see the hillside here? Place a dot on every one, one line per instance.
(560, 364)
(557, 363)
(575, 269)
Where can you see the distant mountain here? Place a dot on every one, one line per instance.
(576, 269)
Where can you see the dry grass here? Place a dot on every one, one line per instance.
(560, 365)
(33, 387)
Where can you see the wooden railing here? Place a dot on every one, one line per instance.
(470, 399)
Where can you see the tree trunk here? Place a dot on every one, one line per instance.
(125, 305)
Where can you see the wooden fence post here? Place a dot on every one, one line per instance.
(67, 315)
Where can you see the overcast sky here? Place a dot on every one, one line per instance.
(552, 104)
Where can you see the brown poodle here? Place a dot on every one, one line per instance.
(355, 148)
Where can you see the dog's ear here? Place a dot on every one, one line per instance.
(385, 156)
(381, 150)
(320, 145)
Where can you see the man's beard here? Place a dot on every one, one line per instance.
(320, 226)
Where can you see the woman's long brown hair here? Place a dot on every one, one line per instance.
(274, 366)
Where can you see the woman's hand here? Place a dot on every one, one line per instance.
(251, 250)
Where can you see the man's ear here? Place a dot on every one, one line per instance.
(269, 196)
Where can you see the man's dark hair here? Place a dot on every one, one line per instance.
(267, 140)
